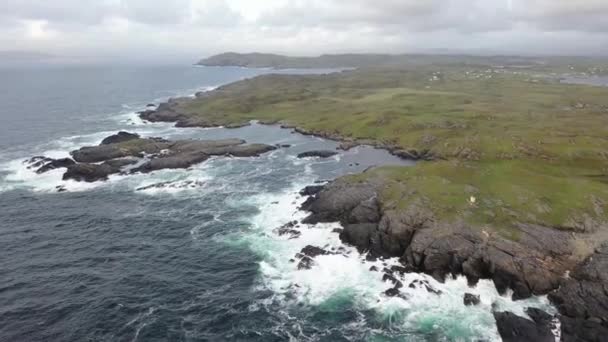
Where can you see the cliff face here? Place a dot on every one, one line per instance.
(537, 263)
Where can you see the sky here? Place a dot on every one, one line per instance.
(190, 29)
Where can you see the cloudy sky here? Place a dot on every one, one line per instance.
(196, 28)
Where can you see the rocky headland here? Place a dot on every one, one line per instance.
(128, 153)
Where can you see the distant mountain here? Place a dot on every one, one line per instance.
(265, 60)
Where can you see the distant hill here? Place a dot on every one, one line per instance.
(264, 60)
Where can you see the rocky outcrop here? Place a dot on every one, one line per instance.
(317, 154)
(165, 112)
(307, 254)
(44, 164)
(85, 172)
(130, 148)
(119, 137)
(582, 299)
(513, 328)
(337, 200)
(412, 154)
(121, 152)
(532, 265)
(311, 190)
(471, 299)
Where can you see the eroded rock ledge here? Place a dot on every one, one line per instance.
(129, 153)
(536, 264)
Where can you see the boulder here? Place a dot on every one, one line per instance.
(513, 328)
(119, 137)
(317, 154)
(471, 299)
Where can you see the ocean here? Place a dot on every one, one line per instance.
(197, 258)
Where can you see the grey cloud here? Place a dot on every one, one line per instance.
(199, 27)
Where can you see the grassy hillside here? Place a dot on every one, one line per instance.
(529, 149)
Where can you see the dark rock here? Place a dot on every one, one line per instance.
(307, 254)
(582, 299)
(251, 150)
(283, 145)
(179, 161)
(513, 328)
(392, 292)
(317, 154)
(288, 229)
(52, 164)
(523, 267)
(367, 211)
(172, 185)
(84, 172)
(471, 299)
(305, 263)
(358, 235)
(36, 161)
(337, 199)
(424, 284)
(311, 190)
(582, 330)
(338, 230)
(119, 137)
(531, 266)
(164, 113)
(373, 269)
(390, 278)
(313, 251)
(401, 270)
(539, 316)
(131, 148)
(122, 162)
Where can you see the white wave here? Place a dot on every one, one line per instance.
(348, 275)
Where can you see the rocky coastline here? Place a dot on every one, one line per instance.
(541, 262)
(170, 112)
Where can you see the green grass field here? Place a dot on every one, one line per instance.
(528, 148)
